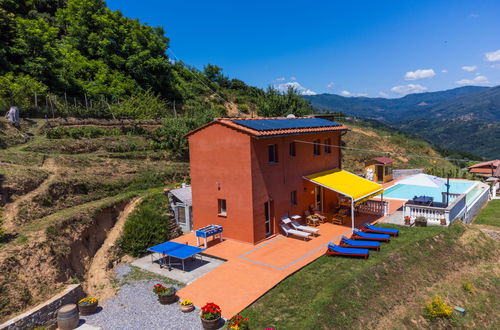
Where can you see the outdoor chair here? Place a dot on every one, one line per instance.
(311, 220)
(360, 235)
(377, 230)
(342, 251)
(289, 231)
(346, 242)
(320, 216)
(298, 226)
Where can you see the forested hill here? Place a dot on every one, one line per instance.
(464, 119)
(78, 57)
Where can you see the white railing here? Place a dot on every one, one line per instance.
(455, 209)
(374, 207)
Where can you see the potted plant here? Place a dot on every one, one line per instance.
(166, 295)
(421, 222)
(186, 305)
(87, 305)
(407, 220)
(210, 316)
(239, 323)
(442, 221)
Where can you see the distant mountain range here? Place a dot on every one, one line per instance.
(464, 119)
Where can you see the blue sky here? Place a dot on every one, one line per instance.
(372, 48)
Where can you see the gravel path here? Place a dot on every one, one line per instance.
(137, 307)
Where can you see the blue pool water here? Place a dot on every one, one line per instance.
(406, 191)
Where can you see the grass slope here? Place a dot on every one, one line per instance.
(339, 293)
(490, 215)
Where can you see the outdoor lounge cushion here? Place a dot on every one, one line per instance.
(363, 235)
(364, 244)
(289, 231)
(298, 226)
(347, 251)
(382, 230)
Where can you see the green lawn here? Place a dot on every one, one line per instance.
(337, 292)
(490, 215)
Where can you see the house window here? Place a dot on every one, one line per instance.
(328, 148)
(317, 147)
(272, 150)
(222, 207)
(181, 214)
(292, 149)
(293, 198)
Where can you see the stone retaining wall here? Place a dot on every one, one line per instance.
(44, 313)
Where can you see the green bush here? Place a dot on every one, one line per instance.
(148, 225)
(437, 307)
(92, 132)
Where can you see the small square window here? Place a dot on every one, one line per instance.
(292, 149)
(272, 151)
(317, 147)
(293, 198)
(328, 147)
(222, 207)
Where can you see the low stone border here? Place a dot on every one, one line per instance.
(45, 312)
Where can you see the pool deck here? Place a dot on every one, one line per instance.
(252, 270)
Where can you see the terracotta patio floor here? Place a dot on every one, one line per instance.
(252, 270)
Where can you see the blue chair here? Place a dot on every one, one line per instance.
(346, 242)
(342, 251)
(359, 235)
(377, 230)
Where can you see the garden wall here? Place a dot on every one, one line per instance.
(46, 312)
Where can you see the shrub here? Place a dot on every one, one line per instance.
(148, 225)
(468, 287)
(437, 307)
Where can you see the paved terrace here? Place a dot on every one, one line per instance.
(252, 270)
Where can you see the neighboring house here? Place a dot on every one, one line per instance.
(248, 173)
(181, 205)
(486, 169)
(379, 169)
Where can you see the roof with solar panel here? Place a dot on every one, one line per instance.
(266, 127)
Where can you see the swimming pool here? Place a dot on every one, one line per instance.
(407, 191)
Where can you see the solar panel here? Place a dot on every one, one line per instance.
(285, 123)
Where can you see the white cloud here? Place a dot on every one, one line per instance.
(420, 74)
(409, 89)
(478, 80)
(293, 78)
(330, 84)
(383, 94)
(493, 56)
(295, 85)
(469, 68)
(349, 94)
(444, 71)
(280, 79)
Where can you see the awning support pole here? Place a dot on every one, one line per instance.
(352, 213)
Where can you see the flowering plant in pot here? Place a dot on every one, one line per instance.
(239, 323)
(407, 220)
(87, 305)
(166, 295)
(186, 305)
(210, 316)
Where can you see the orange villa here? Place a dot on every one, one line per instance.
(248, 173)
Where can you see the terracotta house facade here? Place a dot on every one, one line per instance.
(245, 179)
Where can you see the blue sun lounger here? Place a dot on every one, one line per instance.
(360, 235)
(342, 251)
(378, 230)
(350, 243)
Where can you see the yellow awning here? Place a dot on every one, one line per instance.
(347, 184)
